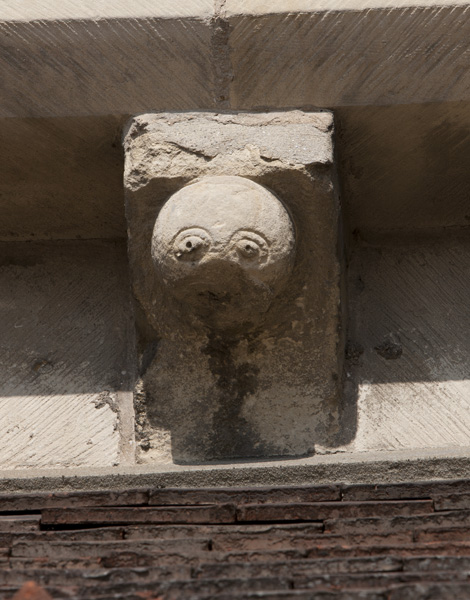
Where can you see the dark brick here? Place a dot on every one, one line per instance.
(453, 534)
(403, 491)
(257, 495)
(352, 581)
(395, 524)
(437, 563)
(31, 502)
(47, 562)
(303, 595)
(224, 513)
(20, 523)
(399, 550)
(237, 532)
(175, 590)
(298, 568)
(141, 558)
(61, 550)
(81, 576)
(252, 556)
(67, 535)
(430, 591)
(452, 502)
(302, 540)
(330, 510)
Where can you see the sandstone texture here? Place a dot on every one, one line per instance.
(407, 369)
(333, 54)
(119, 58)
(404, 169)
(226, 271)
(267, 383)
(61, 179)
(115, 62)
(263, 374)
(64, 339)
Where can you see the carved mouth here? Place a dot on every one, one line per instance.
(216, 297)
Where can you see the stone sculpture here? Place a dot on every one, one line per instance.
(223, 246)
(233, 226)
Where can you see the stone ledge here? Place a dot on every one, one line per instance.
(376, 468)
(75, 61)
(341, 57)
(49, 10)
(119, 66)
(269, 7)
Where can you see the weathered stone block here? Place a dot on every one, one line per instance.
(407, 367)
(64, 341)
(61, 179)
(237, 283)
(115, 60)
(328, 54)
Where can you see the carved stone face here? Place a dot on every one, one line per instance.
(224, 246)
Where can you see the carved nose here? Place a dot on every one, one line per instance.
(217, 272)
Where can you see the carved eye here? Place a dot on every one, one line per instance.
(191, 244)
(250, 247)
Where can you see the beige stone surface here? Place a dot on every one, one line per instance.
(224, 247)
(64, 343)
(404, 168)
(348, 54)
(343, 468)
(408, 374)
(121, 58)
(61, 179)
(269, 387)
(263, 7)
(45, 10)
(82, 67)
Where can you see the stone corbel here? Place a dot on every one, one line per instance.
(233, 244)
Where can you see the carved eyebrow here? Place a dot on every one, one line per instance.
(195, 230)
(255, 235)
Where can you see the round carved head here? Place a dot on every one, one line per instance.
(224, 247)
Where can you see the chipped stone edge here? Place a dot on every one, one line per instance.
(376, 468)
(23, 12)
(241, 8)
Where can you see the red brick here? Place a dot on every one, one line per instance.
(257, 495)
(100, 516)
(70, 535)
(330, 510)
(298, 568)
(301, 539)
(453, 534)
(452, 502)
(395, 524)
(398, 550)
(29, 502)
(356, 581)
(430, 591)
(19, 523)
(66, 550)
(239, 532)
(48, 562)
(302, 595)
(404, 491)
(437, 563)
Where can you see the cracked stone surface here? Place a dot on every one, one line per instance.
(216, 392)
